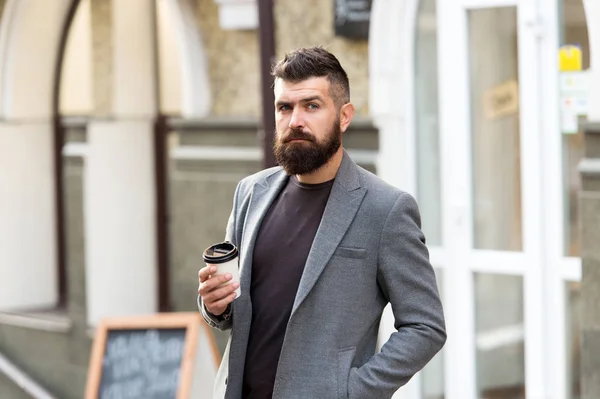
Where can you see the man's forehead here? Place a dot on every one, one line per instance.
(297, 90)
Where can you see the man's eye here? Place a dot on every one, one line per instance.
(284, 108)
(312, 106)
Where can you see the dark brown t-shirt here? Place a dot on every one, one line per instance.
(282, 246)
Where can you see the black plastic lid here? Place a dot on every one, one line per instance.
(220, 253)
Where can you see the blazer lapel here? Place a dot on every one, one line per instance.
(342, 205)
(262, 196)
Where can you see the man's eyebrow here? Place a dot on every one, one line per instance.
(281, 103)
(302, 100)
(312, 98)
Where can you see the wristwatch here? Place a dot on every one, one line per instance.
(227, 313)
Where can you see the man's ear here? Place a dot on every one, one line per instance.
(346, 115)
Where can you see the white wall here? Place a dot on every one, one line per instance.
(119, 208)
(29, 40)
(28, 271)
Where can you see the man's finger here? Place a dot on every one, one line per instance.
(205, 273)
(219, 293)
(213, 282)
(217, 308)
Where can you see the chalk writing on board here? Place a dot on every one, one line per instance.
(142, 364)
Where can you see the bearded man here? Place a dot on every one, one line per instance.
(324, 247)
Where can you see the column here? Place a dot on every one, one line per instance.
(119, 194)
(28, 239)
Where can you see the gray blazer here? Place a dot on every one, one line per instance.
(368, 251)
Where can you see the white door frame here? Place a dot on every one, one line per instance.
(455, 132)
(542, 265)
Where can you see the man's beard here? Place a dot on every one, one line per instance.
(300, 158)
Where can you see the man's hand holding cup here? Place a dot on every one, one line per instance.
(217, 292)
(219, 280)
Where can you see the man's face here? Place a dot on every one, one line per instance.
(307, 125)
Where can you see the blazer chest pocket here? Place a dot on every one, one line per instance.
(350, 252)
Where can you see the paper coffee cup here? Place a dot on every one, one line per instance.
(225, 257)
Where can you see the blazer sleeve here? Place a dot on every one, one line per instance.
(407, 279)
(224, 321)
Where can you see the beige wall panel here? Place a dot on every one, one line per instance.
(233, 59)
(311, 22)
(2, 6)
(102, 58)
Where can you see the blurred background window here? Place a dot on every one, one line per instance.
(426, 122)
(495, 131)
(572, 32)
(428, 160)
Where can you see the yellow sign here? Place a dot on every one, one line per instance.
(569, 58)
(502, 100)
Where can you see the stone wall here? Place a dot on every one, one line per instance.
(590, 294)
(2, 2)
(102, 56)
(311, 23)
(234, 63)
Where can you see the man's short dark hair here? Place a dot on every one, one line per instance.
(314, 62)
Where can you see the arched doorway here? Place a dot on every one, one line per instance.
(35, 86)
(32, 39)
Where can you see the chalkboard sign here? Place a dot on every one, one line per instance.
(166, 356)
(352, 18)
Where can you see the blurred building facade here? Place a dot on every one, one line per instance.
(465, 103)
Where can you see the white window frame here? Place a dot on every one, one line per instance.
(392, 68)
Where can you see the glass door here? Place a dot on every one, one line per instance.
(497, 150)
(490, 146)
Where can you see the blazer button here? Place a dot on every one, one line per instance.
(226, 379)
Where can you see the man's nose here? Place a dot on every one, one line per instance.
(297, 121)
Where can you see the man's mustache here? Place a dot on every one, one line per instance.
(297, 134)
